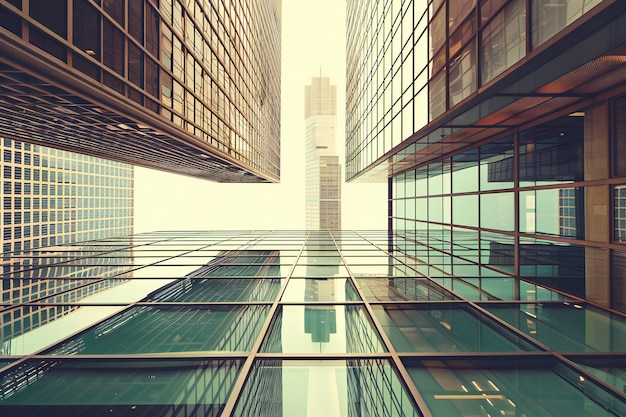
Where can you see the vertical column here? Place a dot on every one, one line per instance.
(597, 271)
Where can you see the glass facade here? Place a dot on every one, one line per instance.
(51, 197)
(511, 162)
(191, 87)
(292, 323)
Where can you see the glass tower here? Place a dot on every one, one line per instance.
(191, 87)
(499, 126)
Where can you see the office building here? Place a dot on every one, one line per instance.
(322, 167)
(301, 323)
(499, 126)
(51, 198)
(190, 87)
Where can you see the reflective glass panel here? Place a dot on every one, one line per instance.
(322, 329)
(120, 388)
(566, 326)
(152, 329)
(324, 388)
(458, 388)
(441, 330)
(321, 289)
(219, 290)
(402, 289)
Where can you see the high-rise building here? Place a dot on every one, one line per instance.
(322, 167)
(53, 197)
(500, 128)
(309, 323)
(191, 87)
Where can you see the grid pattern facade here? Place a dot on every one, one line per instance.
(52, 197)
(501, 139)
(411, 63)
(191, 87)
(350, 326)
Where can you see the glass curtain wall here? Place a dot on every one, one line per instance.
(296, 323)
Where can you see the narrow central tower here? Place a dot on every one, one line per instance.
(323, 171)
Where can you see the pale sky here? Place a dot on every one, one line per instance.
(313, 40)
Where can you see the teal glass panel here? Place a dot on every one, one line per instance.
(322, 329)
(320, 271)
(460, 388)
(533, 292)
(321, 289)
(443, 330)
(496, 165)
(610, 370)
(402, 289)
(566, 326)
(497, 211)
(120, 388)
(324, 388)
(158, 329)
(191, 290)
(27, 329)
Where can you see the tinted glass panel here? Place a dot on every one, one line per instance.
(124, 388)
(148, 329)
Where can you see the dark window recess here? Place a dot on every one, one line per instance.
(135, 95)
(115, 9)
(112, 81)
(86, 29)
(135, 65)
(113, 48)
(135, 20)
(152, 31)
(152, 77)
(10, 21)
(50, 13)
(619, 112)
(86, 67)
(47, 44)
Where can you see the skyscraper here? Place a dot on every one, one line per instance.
(53, 197)
(323, 170)
(191, 87)
(500, 128)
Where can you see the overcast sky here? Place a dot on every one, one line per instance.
(313, 40)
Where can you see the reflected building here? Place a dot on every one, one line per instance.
(187, 87)
(322, 168)
(499, 128)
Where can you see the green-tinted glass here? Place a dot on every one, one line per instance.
(322, 329)
(441, 330)
(324, 388)
(157, 329)
(121, 388)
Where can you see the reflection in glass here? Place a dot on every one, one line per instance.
(156, 329)
(610, 370)
(126, 388)
(552, 264)
(324, 388)
(322, 329)
(567, 326)
(552, 153)
(190, 290)
(441, 330)
(459, 388)
(319, 289)
(402, 289)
